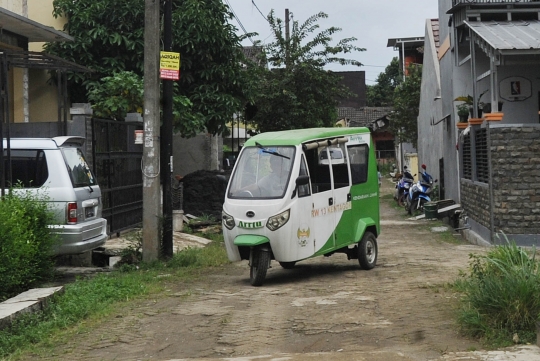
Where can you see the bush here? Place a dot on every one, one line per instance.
(501, 296)
(386, 168)
(26, 243)
(117, 95)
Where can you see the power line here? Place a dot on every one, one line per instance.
(239, 22)
(260, 12)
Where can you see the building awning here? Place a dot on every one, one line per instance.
(40, 60)
(508, 37)
(397, 43)
(34, 31)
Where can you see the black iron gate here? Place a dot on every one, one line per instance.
(117, 165)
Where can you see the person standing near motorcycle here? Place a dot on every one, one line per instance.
(407, 174)
(425, 176)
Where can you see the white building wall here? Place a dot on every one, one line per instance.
(430, 126)
(449, 80)
(13, 6)
(525, 111)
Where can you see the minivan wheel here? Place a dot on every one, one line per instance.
(259, 266)
(367, 251)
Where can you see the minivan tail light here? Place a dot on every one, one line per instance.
(72, 212)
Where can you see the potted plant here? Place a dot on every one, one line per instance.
(463, 112)
(487, 107)
(469, 100)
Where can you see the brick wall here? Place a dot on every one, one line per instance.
(475, 201)
(515, 153)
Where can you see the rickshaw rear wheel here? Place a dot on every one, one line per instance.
(258, 267)
(287, 265)
(367, 251)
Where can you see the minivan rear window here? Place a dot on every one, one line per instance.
(28, 168)
(78, 169)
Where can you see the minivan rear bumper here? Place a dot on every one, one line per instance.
(80, 238)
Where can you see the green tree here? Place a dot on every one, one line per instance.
(381, 94)
(298, 92)
(109, 39)
(403, 121)
(115, 96)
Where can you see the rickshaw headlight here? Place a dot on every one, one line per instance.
(228, 220)
(276, 222)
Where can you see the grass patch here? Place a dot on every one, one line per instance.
(94, 298)
(500, 301)
(448, 236)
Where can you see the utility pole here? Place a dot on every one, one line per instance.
(287, 37)
(26, 79)
(150, 160)
(167, 139)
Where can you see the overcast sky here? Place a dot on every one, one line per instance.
(372, 22)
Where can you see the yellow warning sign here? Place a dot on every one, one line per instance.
(169, 60)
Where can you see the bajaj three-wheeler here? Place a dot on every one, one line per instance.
(298, 194)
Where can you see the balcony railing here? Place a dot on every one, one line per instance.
(492, 2)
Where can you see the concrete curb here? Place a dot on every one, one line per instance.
(35, 299)
(30, 301)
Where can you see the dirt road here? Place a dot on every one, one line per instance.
(323, 309)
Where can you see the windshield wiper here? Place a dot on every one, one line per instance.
(273, 152)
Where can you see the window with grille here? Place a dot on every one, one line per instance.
(481, 155)
(466, 157)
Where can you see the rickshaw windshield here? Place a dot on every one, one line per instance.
(262, 172)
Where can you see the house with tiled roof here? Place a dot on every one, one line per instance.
(430, 109)
(253, 53)
(488, 56)
(375, 118)
(365, 116)
(353, 112)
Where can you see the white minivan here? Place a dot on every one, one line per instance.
(56, 168)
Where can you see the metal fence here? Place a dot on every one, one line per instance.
(385, 154)
(117, 165)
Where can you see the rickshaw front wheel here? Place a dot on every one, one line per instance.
(287, 265)
(367, 251)
(259, 266)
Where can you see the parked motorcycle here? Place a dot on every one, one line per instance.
(402, 188)
(419, 195)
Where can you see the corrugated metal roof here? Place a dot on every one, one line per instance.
(508, 35)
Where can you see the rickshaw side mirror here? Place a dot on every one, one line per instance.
(300, 181)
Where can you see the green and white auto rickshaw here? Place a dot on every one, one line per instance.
(303, 193)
